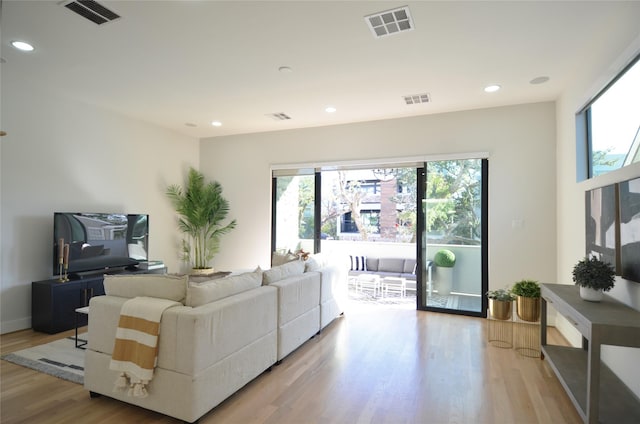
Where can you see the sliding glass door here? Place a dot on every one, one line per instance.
(293, 212)
(453, 226)
(421, 212)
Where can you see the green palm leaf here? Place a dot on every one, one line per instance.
(202, 210)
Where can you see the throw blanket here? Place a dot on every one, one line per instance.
(136, 347)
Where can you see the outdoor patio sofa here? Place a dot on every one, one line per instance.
(390, 267)
(383, 267)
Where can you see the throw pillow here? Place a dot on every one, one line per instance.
(314, 263)
(210, 291)
(395, 265)
(281, 272)
(358, 263)
(410, 266)
(280, 257)
(149, 285)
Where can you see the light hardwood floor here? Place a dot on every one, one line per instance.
(370, 366)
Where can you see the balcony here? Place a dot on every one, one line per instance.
(466, 290)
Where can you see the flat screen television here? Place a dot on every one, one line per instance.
(99, 241)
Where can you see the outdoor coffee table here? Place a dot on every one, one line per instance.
(394, 284)
(369, 281)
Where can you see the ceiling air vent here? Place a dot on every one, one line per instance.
(417, 99)
(279, 116)
(390, 22)
(92, 10)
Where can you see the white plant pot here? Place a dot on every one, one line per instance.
(444, 280)
(591, 295)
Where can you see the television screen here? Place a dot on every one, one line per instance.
(99, 241)
(630, 229)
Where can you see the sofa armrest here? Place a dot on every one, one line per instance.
(297, 295)
(334, 283)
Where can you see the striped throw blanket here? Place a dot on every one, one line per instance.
(135, 351)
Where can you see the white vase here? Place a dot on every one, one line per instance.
(444, 280)
(591, 295)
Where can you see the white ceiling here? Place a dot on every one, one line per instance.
(177, 62)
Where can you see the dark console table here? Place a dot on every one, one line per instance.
(596, 392)
(53, 304)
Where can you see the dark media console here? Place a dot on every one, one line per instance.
(53, 304)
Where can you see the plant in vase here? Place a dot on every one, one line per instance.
(202, 210)
(445, 260)
(500, 301)
(527, 294)
(594, 277)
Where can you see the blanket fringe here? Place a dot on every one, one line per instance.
(121, 382)
(139, 390)
(134, 388)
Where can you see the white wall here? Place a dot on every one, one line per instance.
(571, 204)
(61, 155)
(520, 141)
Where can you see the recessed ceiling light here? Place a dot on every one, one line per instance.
(285, 69)
(492, 88)
(190, 124)
(539, 80)
(216, 123)
(22, 45)
(330, 109)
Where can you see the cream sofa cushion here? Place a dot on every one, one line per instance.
(210, 291)
(281, 272)
(315, 262)
(152, 285)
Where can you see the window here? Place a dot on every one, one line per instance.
(370, 219)
(612, 124)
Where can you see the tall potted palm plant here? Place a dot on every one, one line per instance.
(202, 210)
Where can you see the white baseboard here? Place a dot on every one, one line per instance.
(15, 325)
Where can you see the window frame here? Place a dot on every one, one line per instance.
(584, 119)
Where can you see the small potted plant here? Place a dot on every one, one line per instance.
(444, 259)
(527, 294)
(594, 277)
(500, 301)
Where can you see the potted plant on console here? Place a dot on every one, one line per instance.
(500, 302)
(202, 210)
(594, 277)
(527, 294)
(444, 259)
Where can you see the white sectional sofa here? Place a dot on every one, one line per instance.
(227, 333)
(206, 353)
(298, 304)
(334, 291)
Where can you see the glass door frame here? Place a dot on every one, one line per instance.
(317, 219)
(421, 244)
